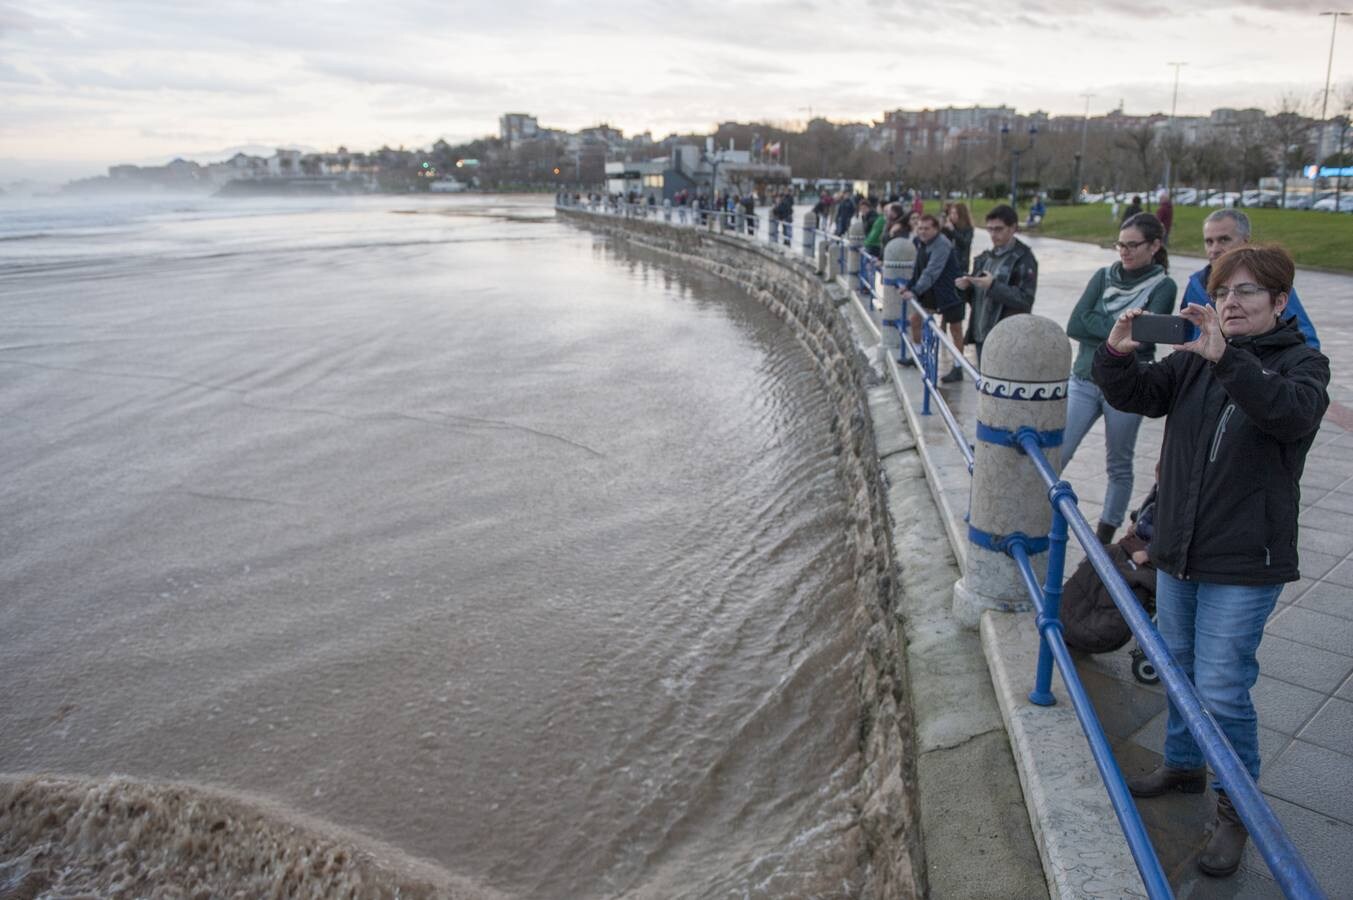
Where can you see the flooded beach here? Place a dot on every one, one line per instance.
(433, 521)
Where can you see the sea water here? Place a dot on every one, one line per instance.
(419, 545)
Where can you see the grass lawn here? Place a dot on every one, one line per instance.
(1319, 239)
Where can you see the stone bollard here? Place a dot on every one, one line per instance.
(897, 265)
(809, 233)
(833, 260)
(712, 217)
(820, 257)
(854, 241)
(1025, 361)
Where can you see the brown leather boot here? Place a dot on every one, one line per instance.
(1221, 856)
(1105, 533)
(1166, 779)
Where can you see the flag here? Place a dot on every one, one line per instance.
(774, 149)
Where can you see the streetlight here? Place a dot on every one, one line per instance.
(1015, 153)
(1169, 158)
(1324, 106)
(1085, 127)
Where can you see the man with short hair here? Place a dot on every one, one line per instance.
(933, 283)
(845, 211)
(1003, 280)
(1223, 230)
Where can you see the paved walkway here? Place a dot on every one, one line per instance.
(1305, 692)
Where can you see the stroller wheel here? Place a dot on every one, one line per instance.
(1142, 668)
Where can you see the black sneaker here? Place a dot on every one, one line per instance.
(907, 362)
(954, 374)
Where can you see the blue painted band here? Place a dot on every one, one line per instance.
(1000, 543)
(1003, 437)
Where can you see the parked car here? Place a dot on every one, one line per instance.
(1327, 204)
(1297, 201)
(1185, 196)
(1222, 198)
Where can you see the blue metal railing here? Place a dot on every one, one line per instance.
(1284, 861)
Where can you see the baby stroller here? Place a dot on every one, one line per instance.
(1091, 621)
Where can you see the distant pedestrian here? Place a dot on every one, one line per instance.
(845, 212)
(933, 284)
(1133, 208)
(959, 229)
(1165, 212)
(917, 204)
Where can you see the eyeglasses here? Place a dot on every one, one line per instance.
(1245, 291)
(1129, 246)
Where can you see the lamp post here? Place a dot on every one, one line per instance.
(1324, 107)
(1015, 154)
(1169, 159)
(1085, 128)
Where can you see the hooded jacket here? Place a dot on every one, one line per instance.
(1111, 292)
(1236, 439)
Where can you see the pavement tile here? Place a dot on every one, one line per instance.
(1341, 574)
(1323, 476)
(1315, 778)
(1151, 736)
(1314, 564)
(1335, 500)
(1346, 692)
(1329, 597)
(1295, 589)
(1327, 520)
(1323, 842)
(1315, 628)
(1284, 707)
(1322, 541)
(1302, 665)
(1332, 728)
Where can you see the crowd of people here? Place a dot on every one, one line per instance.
(1242, 398)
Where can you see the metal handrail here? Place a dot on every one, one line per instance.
(1284, 861)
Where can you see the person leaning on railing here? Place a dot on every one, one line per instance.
(1242, 404)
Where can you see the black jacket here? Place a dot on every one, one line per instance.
(1014, 284)
(1235, 446)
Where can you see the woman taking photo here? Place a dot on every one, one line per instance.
(1243, 403)
(1139, 280)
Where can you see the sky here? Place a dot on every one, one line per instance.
(89, 83)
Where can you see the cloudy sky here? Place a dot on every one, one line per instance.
(86, 83)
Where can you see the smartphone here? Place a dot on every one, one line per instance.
(1149, 328)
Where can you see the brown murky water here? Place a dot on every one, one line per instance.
(459, 532)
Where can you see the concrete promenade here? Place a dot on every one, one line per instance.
(1305, 692)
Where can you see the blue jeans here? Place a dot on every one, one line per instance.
(1084, 405)
(1213, 631)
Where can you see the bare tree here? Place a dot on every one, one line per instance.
(1289, 129)
(1139, 142)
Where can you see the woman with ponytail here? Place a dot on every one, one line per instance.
(1139, 280)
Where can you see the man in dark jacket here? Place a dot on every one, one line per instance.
(1004, 279)
(932, 282)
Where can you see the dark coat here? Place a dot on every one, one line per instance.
(1236, 439)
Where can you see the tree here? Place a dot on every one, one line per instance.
(1289, 130)
(1139, 142)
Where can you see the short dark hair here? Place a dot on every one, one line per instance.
(1005, 213)
(932, 219)
(1270, 264)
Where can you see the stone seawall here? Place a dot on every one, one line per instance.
(792, 290)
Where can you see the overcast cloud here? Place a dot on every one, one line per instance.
(104, 81)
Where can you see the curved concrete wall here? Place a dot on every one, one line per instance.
(791, 289)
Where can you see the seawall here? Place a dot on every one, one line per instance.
(941, 810)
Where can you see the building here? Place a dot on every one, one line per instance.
(692, 169)
(514, 128)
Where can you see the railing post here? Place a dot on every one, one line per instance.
(1052, 598)
(1025, 361)
(896, 268)
(854, 240)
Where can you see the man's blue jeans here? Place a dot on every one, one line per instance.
(1084, 405)
(1213, 631)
